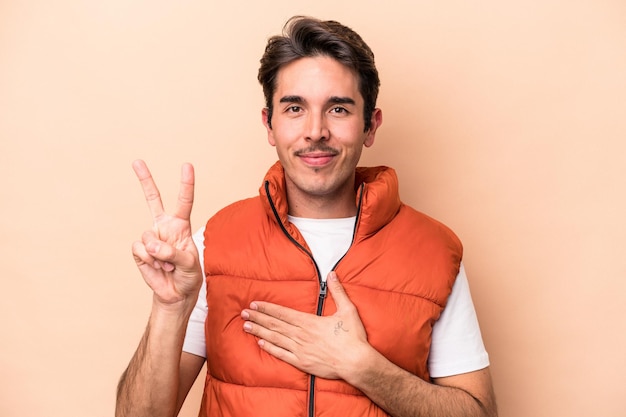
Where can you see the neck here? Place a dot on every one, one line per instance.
(335, 206)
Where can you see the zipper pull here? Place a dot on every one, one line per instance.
(323, 286)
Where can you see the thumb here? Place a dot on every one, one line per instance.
(337, 291)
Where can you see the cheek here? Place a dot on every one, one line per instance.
(284, 132)
(356, 154)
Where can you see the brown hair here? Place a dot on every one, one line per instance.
(308, 37)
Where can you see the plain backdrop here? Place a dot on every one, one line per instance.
(506, 120)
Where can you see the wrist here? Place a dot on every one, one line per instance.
(366, 367)
(173, 311)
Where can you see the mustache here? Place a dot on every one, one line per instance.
(320, 147)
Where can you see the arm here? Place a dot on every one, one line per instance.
(401, 393)
(190, 367)
(158, 377)
(336, 347)
(159, 374)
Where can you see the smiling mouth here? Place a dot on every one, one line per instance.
(317, 156)
(316, 159)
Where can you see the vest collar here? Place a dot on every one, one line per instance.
(377, 198)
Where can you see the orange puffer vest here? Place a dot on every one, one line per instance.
(398, 272)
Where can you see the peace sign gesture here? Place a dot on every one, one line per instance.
(166, 256)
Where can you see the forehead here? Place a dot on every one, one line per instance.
(314, 77)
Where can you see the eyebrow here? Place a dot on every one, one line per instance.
(333, 100)
(291, 99)
(341, 100)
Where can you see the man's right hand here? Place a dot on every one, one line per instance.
(168, 261)
(166, 256)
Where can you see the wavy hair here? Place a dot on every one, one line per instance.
(309, 37)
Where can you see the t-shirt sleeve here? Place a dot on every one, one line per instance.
(457, 345)
(195, 341)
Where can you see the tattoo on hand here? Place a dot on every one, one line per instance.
(338, 327)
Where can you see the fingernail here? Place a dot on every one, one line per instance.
(254, 306)
(245, 315)
(247, 326)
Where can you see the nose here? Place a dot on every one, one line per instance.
(316, 127)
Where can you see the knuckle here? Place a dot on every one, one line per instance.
(274, 325)
(150, 191)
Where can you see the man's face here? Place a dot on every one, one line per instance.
(317, 128)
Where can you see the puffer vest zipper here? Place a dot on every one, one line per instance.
(322, 282)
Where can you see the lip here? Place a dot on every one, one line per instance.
(317, 159)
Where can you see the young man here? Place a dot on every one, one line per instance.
(326, 295)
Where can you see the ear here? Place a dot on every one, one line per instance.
(266, 122)
(377, 120)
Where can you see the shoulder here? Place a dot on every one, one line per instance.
(238, 210)
(425, 226)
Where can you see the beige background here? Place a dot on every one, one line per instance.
(505, 120)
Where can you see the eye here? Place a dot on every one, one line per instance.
(338, 110)
(294, 109)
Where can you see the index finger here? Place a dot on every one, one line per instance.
(282, 313)
(150, 190)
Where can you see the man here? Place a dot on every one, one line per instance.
(325, 294)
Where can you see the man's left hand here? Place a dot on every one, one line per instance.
(325, 346)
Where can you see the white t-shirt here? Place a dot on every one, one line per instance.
(457, 346)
